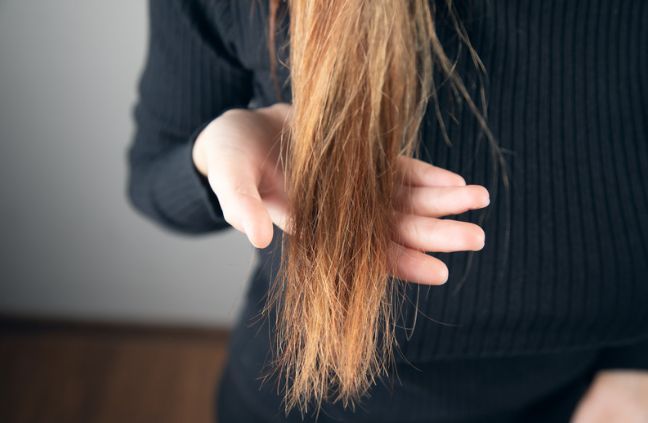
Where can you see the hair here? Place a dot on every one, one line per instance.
(361, 74)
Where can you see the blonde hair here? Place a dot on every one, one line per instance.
(361, 73)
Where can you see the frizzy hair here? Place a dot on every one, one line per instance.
(361, 74)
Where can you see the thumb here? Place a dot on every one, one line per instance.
(236, 186)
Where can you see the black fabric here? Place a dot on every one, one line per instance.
(626, 356)
(526, 388)
(565, 266)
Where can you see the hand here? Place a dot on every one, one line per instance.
(615, 396)
(428, 193)
(238, 153)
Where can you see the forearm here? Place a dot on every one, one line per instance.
(187, 81)
(169, 190)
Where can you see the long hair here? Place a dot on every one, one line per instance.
(361, 74)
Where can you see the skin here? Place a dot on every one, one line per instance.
(238, 153)
(615, 396)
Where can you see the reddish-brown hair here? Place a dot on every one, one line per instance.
(361, 73)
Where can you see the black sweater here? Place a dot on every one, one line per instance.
(565, 261)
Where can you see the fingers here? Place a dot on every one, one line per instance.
(274, 196)
(415, 266)
(235, 185)
(439, 235)
(441, 201)
(416, 172)
(278, 210)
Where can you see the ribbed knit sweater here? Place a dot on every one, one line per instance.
(565, 262)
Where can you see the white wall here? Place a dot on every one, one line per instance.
(70, 245)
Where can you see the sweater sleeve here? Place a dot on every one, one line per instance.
(189, 78)
(631, 356)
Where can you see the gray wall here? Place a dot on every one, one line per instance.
(71, 246)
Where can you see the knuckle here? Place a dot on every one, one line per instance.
(427, 227)
(415, 231)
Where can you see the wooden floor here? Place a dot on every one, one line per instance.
(67, 372)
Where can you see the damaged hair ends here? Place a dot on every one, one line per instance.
(361, 74)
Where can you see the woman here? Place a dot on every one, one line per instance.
(547, 321)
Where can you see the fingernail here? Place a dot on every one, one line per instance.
(444, 277)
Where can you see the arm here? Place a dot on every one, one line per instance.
(189, 79)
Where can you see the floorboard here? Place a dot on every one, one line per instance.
(74, 372)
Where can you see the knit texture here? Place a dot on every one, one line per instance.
(565, 262)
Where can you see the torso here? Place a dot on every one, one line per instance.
(568, 103)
